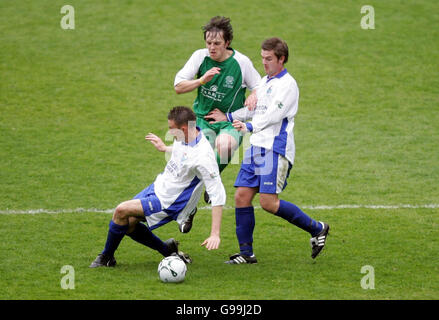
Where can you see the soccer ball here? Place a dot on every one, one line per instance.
(172, 269)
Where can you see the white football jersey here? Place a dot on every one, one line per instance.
(190, 166)
(272, 121)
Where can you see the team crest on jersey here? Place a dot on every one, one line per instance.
(269, 90)
(229, 82)
(184, 157)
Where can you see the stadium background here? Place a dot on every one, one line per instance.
(75, 106)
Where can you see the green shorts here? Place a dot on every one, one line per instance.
(211, 131)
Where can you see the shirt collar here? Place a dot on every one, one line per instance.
(196, 140)
(279, 75)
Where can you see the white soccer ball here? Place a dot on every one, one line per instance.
(172, 269)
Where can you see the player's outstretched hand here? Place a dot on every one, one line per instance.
(212, 242)
(156, 141)
(210, 74)
(215, 115)
(240, 126)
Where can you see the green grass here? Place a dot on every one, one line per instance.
(403, 259)
(75, 106)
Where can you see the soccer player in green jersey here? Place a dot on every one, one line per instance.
(221, 75)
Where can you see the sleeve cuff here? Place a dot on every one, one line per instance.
(249, 126)
(229, 116)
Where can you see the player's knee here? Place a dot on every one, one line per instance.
(225, 145)
(121, 212)
(238, 200)
(242, 199)
(269, 204)
(223, 148)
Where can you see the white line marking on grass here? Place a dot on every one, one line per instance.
(365, 206)
(56, 211)
(319, 207)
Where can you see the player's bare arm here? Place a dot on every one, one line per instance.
(214, 239)
(251, 100)
(158, 143)
(190, 85)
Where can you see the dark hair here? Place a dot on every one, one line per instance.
(278, 45)
(181, 115)
(220, 24)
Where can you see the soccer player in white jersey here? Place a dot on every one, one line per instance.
(221, 75)
(268, 161)
(173, 195)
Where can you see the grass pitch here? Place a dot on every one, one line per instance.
(75, 106)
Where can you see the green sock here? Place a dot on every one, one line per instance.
(221, 166)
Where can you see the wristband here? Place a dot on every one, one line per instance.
(201, 82)
(249, 126)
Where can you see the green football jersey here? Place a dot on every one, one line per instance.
(226, 91)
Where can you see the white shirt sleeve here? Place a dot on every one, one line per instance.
(190, 69)
(250, 76)
(281, 105)
(208, 172)
(242, 114)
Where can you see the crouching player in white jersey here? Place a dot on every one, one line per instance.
(173, 195)
(268, 161)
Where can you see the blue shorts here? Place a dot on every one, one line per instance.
(263, 169)
(150, 203)
(156, 216)
(152, 208)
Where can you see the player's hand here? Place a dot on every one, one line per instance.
(240, 126)
(210, 74)
(156, 141)
(215, 115)
(212, 242)
(251, 101)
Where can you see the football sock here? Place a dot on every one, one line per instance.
(144, 236)
(294, 215)
(221, 166)
(245, 224)
(115, 234)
